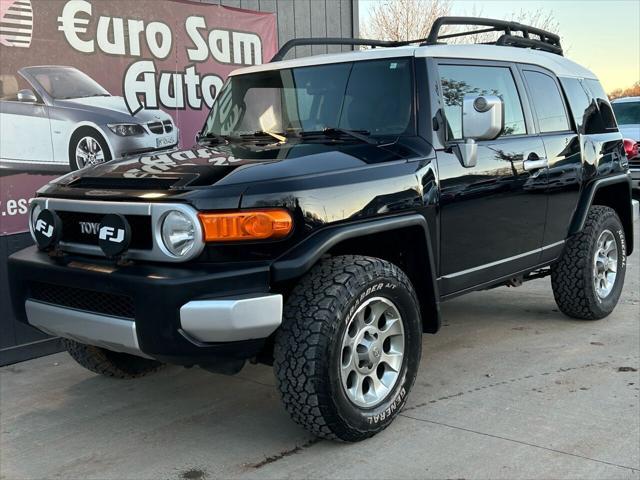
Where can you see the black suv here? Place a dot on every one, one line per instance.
(330, 204)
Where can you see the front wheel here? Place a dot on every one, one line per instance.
(108, 363)
(348, 351)
(87, 147)
(587, 280)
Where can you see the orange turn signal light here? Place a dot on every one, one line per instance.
(246, 225)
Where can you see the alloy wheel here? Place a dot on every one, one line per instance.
(372, 352)
(605, 264)
(88, 152)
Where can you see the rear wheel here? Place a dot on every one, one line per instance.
(109, 363)
(587, 280)
(348, 351)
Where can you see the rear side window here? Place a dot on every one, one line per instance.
(604, 107)
(579, 102)
(547, 102)
(460, 80)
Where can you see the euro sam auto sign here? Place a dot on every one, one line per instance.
(146, 55)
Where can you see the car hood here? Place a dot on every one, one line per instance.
(114, 105)
(172, 173)
(631, 131)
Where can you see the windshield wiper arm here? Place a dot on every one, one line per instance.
(261, 133)
(215, 136)
(361, 135)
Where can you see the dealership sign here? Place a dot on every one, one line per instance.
(186, 89)
(166, 56)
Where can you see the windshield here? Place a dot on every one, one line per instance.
(375, 97)
(627, 113)
(63, 83)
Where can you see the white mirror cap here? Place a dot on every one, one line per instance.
(482, 117)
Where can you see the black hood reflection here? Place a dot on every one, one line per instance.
(205, 165)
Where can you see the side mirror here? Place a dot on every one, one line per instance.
(27, 96)
(482, 119)
(198, 136)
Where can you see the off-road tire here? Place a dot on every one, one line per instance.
(572, 275)
(108, 363)
(307, 348)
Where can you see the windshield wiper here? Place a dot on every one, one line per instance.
(361, 135)
(215, 136)
(261, 133)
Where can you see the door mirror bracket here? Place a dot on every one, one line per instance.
(467, 152)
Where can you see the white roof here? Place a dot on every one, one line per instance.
(626, 100)
(558, 64)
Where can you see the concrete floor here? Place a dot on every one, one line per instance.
(510, 388)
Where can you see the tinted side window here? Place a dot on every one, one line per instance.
(608, 119)
(547, 102)
(578, 101)
(460, 80)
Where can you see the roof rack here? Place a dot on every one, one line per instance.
(296, 42)
(547, 41)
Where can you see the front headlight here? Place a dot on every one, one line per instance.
(178, 233)
(126, 129)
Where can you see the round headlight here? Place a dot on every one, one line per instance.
(178, 233)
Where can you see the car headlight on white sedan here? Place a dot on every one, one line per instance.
(126, 129)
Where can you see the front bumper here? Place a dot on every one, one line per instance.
(193, 314)
(135, 144)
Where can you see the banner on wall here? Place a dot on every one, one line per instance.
(84, 81)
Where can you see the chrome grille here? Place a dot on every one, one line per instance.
(155, 127)
(158, 128)
(145, 218)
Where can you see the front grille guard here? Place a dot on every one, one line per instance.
(157, 212)
(93, 301)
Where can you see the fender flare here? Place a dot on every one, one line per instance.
(586, 200)
(302, 257)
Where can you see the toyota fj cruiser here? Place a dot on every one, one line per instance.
(330, 204)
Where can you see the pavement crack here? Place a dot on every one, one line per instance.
(285, 453)
(521, 442)
(517, 379)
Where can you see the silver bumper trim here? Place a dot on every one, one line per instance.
(234, 319)
(104, 331)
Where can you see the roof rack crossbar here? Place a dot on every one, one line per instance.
(297, 42)
(462, 34)
(547, 41)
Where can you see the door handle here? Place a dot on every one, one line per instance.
(536, 164)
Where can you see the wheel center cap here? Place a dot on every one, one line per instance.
(369, 351)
